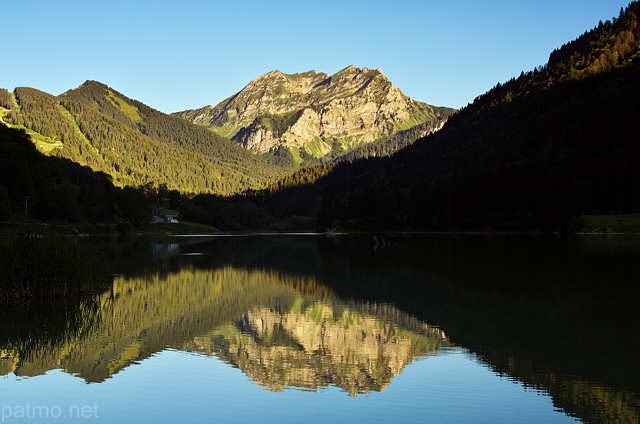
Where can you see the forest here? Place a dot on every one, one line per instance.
(33, 185)
(534, 153)
(97, 127)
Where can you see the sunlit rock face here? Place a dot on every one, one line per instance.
(315, 112)
(319, 345)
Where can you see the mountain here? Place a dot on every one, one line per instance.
(96, 126)
(313, 115)
(533, 153)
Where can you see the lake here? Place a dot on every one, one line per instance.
(344, 328)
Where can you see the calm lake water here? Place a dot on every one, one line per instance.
(351, 328)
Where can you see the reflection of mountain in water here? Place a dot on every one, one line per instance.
(554, 313)
(258, 320)
(358, 347)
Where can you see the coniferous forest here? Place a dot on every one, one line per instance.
(533, 153)
(55, 189)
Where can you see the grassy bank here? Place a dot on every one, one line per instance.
(610, 224)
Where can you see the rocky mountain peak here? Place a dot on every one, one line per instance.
(313, 113)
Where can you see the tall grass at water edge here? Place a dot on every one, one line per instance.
(36, 267)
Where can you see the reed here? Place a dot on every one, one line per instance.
(35, 267)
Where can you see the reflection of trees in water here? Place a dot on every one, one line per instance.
(142, 316)
(591, 401)
(565, 307)
(554, 313)
(32, 332)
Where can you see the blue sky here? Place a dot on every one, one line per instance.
(183, 54)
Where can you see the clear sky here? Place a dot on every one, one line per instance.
(184, 54)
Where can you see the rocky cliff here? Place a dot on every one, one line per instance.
(315, 114)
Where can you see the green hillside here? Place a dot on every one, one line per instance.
(95, 126)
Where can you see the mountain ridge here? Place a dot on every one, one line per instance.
(97, 126)
(319, 115)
